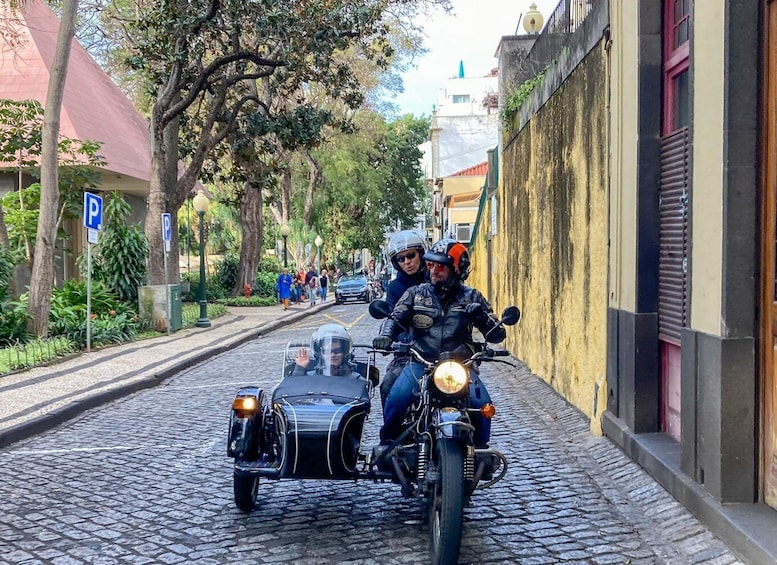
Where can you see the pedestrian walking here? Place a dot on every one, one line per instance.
(311, 284)
(323, 282)
(284, 287)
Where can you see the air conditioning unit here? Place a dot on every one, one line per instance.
(463, 232)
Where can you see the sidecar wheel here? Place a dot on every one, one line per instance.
(246, 489)
(447, 504)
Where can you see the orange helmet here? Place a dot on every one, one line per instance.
(452, 253)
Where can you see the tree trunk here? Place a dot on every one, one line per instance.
(42, 280)
(313, 180)
(251, 245)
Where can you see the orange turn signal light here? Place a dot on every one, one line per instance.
(488, 411)
(244, 406)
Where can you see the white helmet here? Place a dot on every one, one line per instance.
(406, 239)
(330, 336)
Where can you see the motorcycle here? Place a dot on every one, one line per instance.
(311, 427)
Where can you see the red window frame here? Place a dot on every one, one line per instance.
(676, 60)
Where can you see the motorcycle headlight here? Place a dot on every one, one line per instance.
(450, 377)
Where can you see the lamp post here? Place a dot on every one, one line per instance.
(339, 250)
(319, 242)
(285, 231)
(200, 206)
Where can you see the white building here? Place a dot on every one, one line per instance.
(465, 124)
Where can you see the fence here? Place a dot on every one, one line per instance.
(561, 25)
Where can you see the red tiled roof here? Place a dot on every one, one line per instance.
(93, 107)
(473, 171)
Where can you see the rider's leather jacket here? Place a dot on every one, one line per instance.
(441, 322)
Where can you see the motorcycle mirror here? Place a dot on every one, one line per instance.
(511, 315)
(379, 309)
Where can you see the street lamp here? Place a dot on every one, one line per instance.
(339, 250)
(285, 231)
(319, 242)
(200, 203)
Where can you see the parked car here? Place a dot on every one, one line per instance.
(353, 287)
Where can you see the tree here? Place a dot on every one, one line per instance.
(42, 279)
(200, 58)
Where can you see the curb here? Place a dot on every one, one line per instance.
(75, 408)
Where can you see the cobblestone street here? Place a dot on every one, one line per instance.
(146, 480)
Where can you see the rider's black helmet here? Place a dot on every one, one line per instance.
(452, 253)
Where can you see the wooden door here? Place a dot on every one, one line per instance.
(769, 265)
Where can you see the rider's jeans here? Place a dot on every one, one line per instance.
(401, 397)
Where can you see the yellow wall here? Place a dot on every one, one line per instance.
(550, 254)
(707, 162)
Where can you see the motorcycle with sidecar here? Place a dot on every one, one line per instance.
(310, 427)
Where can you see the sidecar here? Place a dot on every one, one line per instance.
(310, 427)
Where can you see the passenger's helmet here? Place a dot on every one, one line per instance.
(331, 336)
(405, 239)
(452, 253)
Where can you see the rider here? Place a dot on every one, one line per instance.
(440, 315)
(405, 251)
(332, 348)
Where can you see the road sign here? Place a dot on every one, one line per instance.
(93, 211)
(167, 227)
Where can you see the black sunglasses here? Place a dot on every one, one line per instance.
(407, 257)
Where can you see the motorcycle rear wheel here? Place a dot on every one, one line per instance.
(245, 489)
(447, 504)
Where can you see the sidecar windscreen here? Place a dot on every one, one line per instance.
(321, 389)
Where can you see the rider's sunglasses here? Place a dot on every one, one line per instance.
(432, 266)
(329, 351)
(408, 257)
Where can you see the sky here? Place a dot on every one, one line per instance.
(470, 34)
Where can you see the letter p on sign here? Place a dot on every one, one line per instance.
(93, 211)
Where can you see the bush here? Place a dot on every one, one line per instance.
(252, 301)
(266, 284)
(112, 319)
(225, 278)
(13, 323)
(120, 256)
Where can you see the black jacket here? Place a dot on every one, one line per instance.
(401, 283)
(441, 323)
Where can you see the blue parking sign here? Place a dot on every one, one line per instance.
(167, 226)
(93, 211)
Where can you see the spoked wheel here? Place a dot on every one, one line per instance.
(246, 488)
(447, 504)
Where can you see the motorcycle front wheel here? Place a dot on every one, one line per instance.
(246, 489)
(447, 504)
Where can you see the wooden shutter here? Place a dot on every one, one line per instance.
(673, 237)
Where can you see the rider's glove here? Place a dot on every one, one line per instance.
(382, 342)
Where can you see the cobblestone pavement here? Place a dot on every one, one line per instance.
(146, 480)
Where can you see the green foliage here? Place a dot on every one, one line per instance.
(120, 256)
(34, 353)
(252, 301)
(269, 264)
(225, 277)
(516, 98)
(191, 312)
(266, 284)
(112, 319)
(7, 263)
(13, 322)
(21, 126)
(373, 180)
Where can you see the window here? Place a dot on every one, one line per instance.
(463, 232)
(461, 98)
(677, 35)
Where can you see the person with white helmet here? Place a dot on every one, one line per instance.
(332, 350)
(405, 251)
(440, 316)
